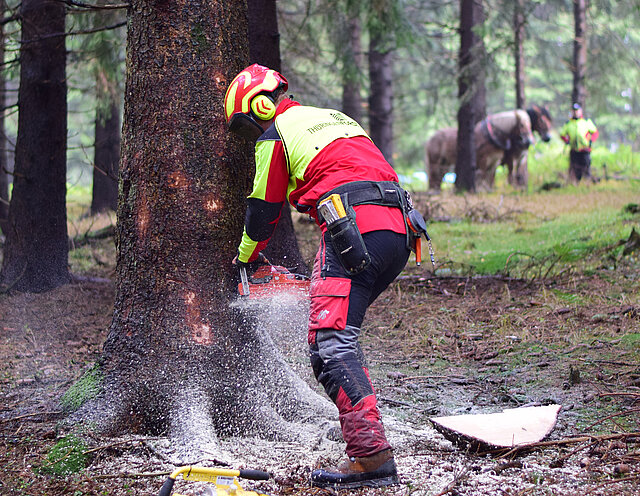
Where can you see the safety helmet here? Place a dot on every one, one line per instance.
(250, 99)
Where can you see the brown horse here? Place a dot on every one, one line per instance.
(501, 138)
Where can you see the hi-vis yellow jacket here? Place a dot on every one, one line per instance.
(579, 134)
(305, 153)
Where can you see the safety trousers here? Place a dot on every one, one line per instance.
(338, 305)
(579, 165)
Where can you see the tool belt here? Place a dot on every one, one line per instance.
(335, 208)
(384, 193)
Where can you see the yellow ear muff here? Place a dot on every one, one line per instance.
(263, 107)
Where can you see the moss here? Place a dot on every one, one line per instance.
(85, 388)
(67, 456)
(199, 39)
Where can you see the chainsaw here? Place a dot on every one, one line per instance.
(225, 480)
(269, 281)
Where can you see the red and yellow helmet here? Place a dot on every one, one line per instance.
(250, 97)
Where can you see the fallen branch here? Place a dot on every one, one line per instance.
(105, 232)
(632, 395)
(111, 445)
(423, 377)
(457, 478)
(624, 479)
(27, 415)
(561, 442)
(126, 475)
(613, 415)
(608, 362)
(558, 462)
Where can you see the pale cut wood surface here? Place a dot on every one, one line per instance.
(512, 427)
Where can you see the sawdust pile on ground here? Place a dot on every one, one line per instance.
(437, 346)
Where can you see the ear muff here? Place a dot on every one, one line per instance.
(263, 107)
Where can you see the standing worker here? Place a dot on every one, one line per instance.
(579, 133)
(326, 166)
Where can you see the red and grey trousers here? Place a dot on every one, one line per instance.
(338, 305)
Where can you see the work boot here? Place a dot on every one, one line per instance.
(368, 471)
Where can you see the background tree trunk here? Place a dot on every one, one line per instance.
(518, 51)
(4, 177)
(264, 49)
(36, 251)
(351, 71)
(381, 95)
(176, 346)
(469, 83)
(579, 66)
(107, 146)
(479, 62)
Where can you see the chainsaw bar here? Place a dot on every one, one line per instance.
(274, 280)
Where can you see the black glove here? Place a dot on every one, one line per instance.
(252, 266)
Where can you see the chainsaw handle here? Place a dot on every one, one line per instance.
(167, 487)
(254, 474)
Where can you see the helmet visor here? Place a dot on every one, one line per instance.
(243, 125)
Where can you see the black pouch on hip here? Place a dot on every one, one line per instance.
(345, 234)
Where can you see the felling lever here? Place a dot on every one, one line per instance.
(418, 227)
(272, 280)
(224, 480)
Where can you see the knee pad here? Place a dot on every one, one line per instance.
(333, 343)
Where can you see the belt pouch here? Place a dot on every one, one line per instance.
(348, 243)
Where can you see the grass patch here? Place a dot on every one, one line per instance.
(549, 162)
(570, 298)
(535, 236)
(631, 341)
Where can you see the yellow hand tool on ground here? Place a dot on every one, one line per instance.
(224, 480)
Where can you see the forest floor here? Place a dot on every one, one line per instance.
(436, 346)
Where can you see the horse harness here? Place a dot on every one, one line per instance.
(496, 137)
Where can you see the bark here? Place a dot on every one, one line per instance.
(107, 146)
(381, 96)
(470, 93)
(4, 177)
(36, 250)
(579, 93)
(518, 51)
(264, 49)
(176, 346)
(352, 65)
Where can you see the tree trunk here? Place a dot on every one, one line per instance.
(469, 83)
(518, 51)
(107, 146)
(4, 177)
(351, 68)
(264, 49)
(36, 251)
(381, 96)
(176, 347)
(579, 93)
(479, 63)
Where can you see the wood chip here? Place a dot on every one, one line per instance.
(509, 428)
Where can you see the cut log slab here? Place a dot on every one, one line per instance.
(509, 428)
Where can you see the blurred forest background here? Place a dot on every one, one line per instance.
(324, 46)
